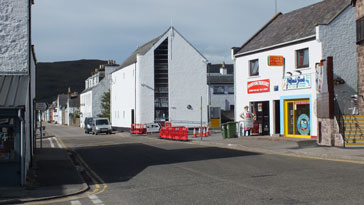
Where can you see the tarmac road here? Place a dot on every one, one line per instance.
(125, 169)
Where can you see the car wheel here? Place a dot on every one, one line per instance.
(96, 133)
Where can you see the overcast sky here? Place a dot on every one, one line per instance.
(112, 29)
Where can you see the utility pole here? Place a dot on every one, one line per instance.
(201, 118)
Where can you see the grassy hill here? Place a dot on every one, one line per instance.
(55, 78)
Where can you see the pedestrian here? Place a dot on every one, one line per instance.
(247, 117)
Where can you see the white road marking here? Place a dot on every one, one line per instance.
(95, 199)
(75, 202)
(59, 145)
(50, 141)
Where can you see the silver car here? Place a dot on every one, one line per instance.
(101, 125)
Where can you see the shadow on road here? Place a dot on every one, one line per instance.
(120, 163)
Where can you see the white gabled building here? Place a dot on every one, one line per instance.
(284, 99)
(95, 87)
(163, 80)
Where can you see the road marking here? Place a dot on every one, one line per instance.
(59, 145)
(75, 202)
(95, 199)
(50, 141)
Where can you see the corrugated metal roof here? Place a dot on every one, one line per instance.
(13, 90)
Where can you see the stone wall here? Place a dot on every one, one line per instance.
(330, 135)
(14, 36)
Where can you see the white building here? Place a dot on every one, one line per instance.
(163, 80)
(95, 87)
(284, 98)
(17, 92)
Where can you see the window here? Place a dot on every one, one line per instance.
(230, 89)
(9, 146)
(360, 30)
(219, 89)
(302, 58)
(254, 67)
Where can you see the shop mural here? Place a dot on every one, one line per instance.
(303, 124)
(297, 82)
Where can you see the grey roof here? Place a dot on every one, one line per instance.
(215, 68)
(295, 25)
(220, 79)
(62, 100)
(141, 51)
(13, 90)
(74, 101)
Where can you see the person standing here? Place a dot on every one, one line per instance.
(247, 117)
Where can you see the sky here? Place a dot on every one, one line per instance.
(112, 29)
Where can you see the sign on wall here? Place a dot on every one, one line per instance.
(297, 82)
(258, 86)
(275, 60)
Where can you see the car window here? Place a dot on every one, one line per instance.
(102, 122)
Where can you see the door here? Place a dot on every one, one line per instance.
(277, 117)
(132, 117)
(297, 118)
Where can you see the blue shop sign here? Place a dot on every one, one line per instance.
(297, 82)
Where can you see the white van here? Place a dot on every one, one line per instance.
(101, 125)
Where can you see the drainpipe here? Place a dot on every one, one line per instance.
(22, 158)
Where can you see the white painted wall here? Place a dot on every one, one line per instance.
(14, 36)
(339, 41)
(122, 96)
(187, 81)
(275, 75)
(220, 100)
(85, 106)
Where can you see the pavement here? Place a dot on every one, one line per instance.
(54, 175)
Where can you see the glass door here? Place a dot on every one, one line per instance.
(297, 118)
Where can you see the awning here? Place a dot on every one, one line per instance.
(13, 91)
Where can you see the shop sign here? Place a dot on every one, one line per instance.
(297, 82)
(319, 77)
(259, 86)
(275, 60)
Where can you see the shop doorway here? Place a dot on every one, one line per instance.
(277, 117)
(261, 122)
(297, 118)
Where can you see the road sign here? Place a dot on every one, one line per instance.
(41, 106)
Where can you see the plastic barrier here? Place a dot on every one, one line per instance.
(174, 133)
(138, 129)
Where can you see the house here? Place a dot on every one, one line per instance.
(162, 80)
(17, 92)
(276, 68)
(61, 105)
(95, 87)
(220, 81)
(72, 109)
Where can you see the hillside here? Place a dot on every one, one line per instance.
(55, 78)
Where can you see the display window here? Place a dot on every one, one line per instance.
(297, 118)
(8, 140)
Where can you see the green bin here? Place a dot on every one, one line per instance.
(229, 130)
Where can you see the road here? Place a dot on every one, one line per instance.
(143, 170)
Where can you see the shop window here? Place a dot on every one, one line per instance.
(302, 58)
(8, 148)
(254, 67)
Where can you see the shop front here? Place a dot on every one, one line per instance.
(297, 119)
(260, 112)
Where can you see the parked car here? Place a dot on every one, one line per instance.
(101, 125)
(88, 124)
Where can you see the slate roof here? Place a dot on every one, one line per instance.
(13, 90)
(298, 24)
(140, 50)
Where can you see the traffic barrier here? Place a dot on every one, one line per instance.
(174, 133)
(138, 129)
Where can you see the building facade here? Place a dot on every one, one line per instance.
(163, 80)
(276, 70)
(95, 87)
(17, 92)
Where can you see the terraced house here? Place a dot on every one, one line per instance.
(281, 71)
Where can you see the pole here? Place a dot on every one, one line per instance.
(201, 117)
(41, 130)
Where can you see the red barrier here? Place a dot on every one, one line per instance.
(138, 129)
(174, 133)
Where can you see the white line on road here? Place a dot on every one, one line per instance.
(59, 145)
(50, 141)
(95, 199)
(75, 202)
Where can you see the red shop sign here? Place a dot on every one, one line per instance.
(259, 86)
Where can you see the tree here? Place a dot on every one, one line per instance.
(105, 105)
